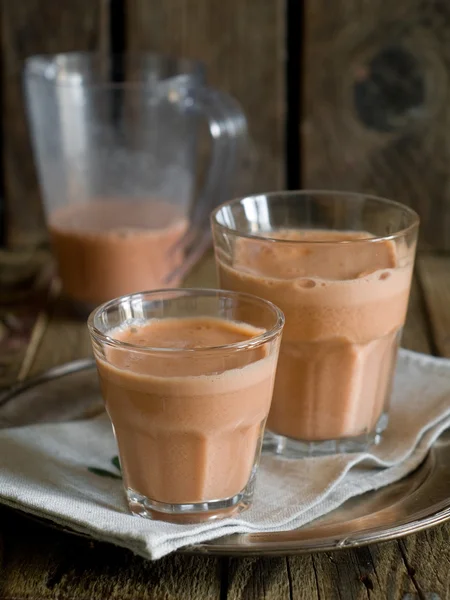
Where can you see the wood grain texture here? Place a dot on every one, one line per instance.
(204, 274)
(426, 557)
(254, 578)
(415, 334)
(356, 574)
(65, 339)
(379, 572)
(242, 43)
(40, 563)
(375, 99)
(24, 292)
(434, 272)
(32, 27)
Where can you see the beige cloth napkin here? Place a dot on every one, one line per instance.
(57, 471)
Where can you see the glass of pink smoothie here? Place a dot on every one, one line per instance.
(115, 142)
(187, 378)
(339, 265)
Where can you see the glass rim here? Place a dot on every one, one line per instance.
(35, 65)
(258, 340)
(292, 193)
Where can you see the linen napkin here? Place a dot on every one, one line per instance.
(57, 471)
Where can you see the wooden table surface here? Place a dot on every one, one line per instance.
(37, 562)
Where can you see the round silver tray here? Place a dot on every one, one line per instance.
(419, 501)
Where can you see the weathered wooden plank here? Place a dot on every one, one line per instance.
(426, 557)
(203, 275)
(40, 563)
(31, 27)
(65, 339)
(415, 334)
(377, 573)
(434, 272)
(374, 102)
(255, 578)
(20, 335)
(25, 286)
(242, 43)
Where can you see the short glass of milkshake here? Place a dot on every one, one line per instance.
(187, 378)
(339, 265)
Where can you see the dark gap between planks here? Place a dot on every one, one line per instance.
(2, 155)
(426, 313)
(294, 31)
(117, 26)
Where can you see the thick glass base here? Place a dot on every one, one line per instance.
(196, 512)
(292, 448)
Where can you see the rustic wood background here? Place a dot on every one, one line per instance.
(376, 110)
(371, 93)
(242, 43)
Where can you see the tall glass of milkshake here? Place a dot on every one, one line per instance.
(339, 265)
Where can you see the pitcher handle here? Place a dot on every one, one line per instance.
(228, 129)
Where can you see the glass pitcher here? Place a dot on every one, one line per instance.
(115, 142)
